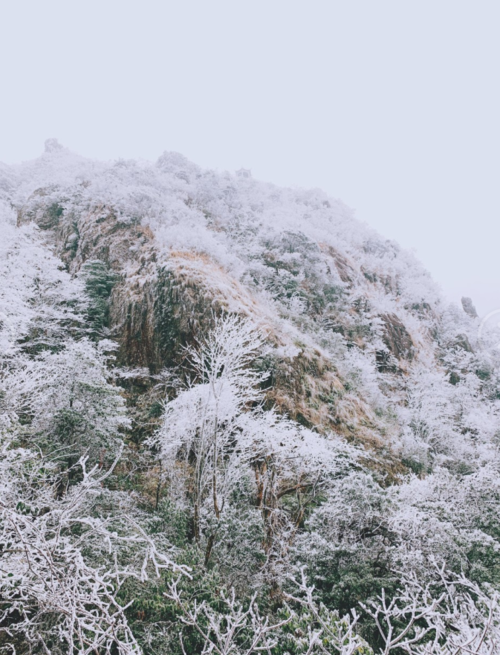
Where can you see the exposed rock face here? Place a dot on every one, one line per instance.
(52, 145)
(338, 305)
(468, 307)
(462, 341)
(397, 338)
(158, 305)
(129, 252)
(345, 269)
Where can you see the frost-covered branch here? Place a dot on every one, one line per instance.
(232, 631)
(301, 626)
(458, 619)
(51, 596)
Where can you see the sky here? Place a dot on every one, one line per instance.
(391, 105)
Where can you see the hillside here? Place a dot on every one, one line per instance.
(215, 394)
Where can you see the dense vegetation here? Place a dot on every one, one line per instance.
(233, 420)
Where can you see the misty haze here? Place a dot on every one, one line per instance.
(249, 329)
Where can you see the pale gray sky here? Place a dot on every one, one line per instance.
(391, 105)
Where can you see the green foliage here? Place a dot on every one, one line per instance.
(301, 623)
(67, 424)
(99, 283)
(238, 546)
(419, 468)
(346, 576)
(171, 522)
(74, 240)
(53, 212)
(155, 410)
(348, 546)
(168, 326)
(483, 563)
(297, 271)
(156, 620)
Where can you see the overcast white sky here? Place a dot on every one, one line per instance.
(391, 105)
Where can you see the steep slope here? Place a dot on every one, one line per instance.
(347, 312)
(357, 433)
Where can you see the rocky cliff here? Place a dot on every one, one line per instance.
(357, 350)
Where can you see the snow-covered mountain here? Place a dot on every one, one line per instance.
(267, 383)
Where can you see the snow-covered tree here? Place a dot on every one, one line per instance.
(40, 303)
(53, 599)
(216, 434)
(449, 616)
(64, 401)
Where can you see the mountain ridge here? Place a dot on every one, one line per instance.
(267, 381)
